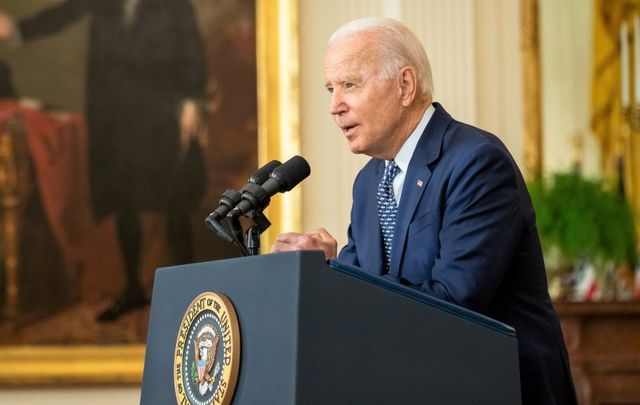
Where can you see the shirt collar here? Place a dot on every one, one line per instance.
(405, 153)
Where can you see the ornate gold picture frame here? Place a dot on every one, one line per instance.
(278, 138)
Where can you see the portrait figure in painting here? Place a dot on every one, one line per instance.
(149, 139)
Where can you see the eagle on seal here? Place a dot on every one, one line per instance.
(206, 344)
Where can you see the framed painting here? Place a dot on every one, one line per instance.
(116, 141)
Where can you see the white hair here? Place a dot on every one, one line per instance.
(397, 46)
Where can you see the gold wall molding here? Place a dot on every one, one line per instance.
(532, 89)
(279, 104)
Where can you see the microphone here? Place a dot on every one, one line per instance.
(231, 197)
(262, 174)
(282, 179)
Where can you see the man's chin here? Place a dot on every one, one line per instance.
(356, 149)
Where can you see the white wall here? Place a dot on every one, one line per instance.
(498, 91)
(473, 46)
(566, 55)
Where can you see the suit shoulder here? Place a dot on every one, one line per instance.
(467, 134)
(369, 169)
(365, 176)
(464, 138)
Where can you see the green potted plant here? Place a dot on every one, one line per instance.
(580, 219)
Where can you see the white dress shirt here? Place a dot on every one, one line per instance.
(405, 153)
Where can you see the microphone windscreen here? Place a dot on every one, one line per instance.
(262, 174)
(292, 172)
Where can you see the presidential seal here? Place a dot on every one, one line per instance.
(207, 355)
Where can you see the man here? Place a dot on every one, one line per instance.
(145, 65)
(441, 206)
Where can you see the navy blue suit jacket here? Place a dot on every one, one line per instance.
(466, 233)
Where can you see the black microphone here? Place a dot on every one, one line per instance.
(262, 174)
(231, 197)
(283, 178)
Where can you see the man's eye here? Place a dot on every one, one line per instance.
(349, 85)
(330, 89)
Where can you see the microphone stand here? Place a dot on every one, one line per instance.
(253, 241)
(222, 232)
(236, 232)
(260, 224)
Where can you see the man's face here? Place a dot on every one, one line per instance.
(366, 107)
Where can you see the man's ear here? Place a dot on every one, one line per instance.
(408, 83)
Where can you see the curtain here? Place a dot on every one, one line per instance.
(617, 129)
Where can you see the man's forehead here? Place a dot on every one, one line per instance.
(349, 54)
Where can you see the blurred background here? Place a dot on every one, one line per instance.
(557, 81)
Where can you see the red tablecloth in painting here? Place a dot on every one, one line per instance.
(57, 145)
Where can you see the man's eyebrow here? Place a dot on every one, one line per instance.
(350, 78)
(342, 80)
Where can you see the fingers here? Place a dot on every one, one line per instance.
(286, 237)
(323, 234)
(329, 243)
(318, 239)
(292, 241)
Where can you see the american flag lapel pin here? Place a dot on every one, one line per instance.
(420, 183)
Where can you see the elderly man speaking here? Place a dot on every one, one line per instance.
(441, 206)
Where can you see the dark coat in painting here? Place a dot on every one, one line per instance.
(138, 73)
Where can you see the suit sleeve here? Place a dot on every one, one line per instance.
(480, 229)
(53, 19)
(349, 253)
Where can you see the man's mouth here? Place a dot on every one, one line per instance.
(348, 129)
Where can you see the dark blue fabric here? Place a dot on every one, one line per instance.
(465, 233)
(393, 285)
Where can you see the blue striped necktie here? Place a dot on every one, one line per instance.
(387, 209)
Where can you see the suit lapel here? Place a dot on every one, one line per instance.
(416, 181)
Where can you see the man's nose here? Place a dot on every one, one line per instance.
(338, 105)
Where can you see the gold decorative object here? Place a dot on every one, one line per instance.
(608, 116)
(278, 104)
(41, 366)
(9, 202)
(530, 53)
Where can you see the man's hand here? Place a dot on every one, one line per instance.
(319, 239)
(7, 26)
